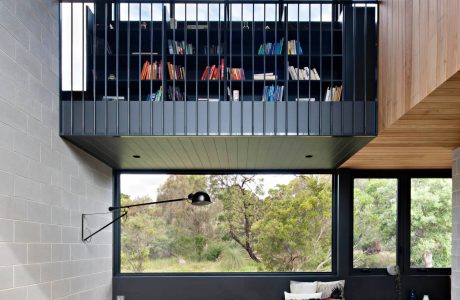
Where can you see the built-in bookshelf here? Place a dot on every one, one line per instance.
(126, 59)
(227, 58)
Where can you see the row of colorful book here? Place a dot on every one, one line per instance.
(151, 71)
(180, 48)
(333, 94)
(273, 93)
(213, 50)
(174, 94)
(176, 72)
(213, 72)
(235, 74)
(157, 96)
(303, 74)
(294, 48)
(271, 48)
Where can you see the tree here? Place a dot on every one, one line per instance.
(375, 219)
(431, 223)
(200, 221)
(239, 195)
(295, 232)
(139, 231)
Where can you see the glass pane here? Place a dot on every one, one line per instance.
(431, 223)
(272, 223)
(375, 219)
(73, 39)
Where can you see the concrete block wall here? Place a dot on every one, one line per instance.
(455, 282)
(45, 183)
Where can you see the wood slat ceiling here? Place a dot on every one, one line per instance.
(422, 139)
(221, 153)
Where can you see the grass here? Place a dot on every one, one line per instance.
(377, 260)
(171, 265)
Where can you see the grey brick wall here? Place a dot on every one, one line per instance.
(45, 183)
(456, 224)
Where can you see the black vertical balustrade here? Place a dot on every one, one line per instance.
(94, 69)
(151, 77)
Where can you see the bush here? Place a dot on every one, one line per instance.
(214, 251)
(233, 258)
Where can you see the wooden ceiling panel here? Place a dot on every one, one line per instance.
(421, 139)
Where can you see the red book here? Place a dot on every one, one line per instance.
(222, 69)
(215, 76)
(205, 73)
(212, 72)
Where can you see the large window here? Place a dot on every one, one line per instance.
(257, 223)
(375, 222)
(431, 223)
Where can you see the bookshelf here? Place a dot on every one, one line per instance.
(262, 94)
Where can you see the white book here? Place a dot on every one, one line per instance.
(316, 74)
(307, 70)
(266, 77)
(262, 74)
(328, 95)
(305, 99)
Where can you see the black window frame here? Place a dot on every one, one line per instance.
(380, 271)
(403, 219)
(300, 275)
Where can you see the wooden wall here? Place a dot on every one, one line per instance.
(419, 107)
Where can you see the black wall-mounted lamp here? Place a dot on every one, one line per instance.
(198, 198)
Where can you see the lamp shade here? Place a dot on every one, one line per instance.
(200, 198)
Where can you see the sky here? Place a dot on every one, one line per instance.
(138, 185)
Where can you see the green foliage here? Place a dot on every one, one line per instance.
(138, 235)
(233, 258)
(287, 230)
(295, 233)
(200, 243)
(431, 222)
(242, 207)
(375, 219)
(214, 251)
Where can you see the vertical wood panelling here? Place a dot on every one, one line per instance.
(418, 48)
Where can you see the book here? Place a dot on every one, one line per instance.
(273, 93)
(235, 74)
(208, 99)
(266, 76)
(213, 50)
(271, 48)
(229, 94)
(151, 71)
(144, 53)
(305, 99)
(303, 74)
(294, 48)
(113, 98)
(175, 94)
(333, 94)
(157, 96)
(180, 48)
(176, 72)
(214, 72)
